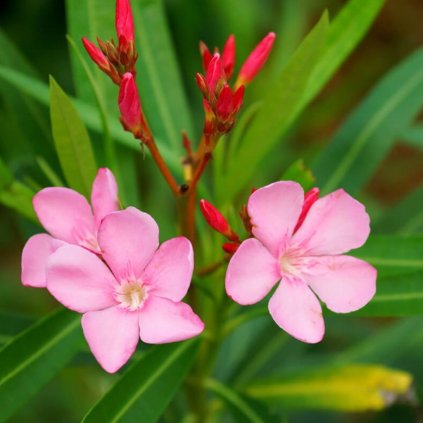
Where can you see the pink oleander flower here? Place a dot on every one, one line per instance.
(133, 291)
(307, 262)
(69, 219)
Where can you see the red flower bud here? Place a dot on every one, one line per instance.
(230, 247)
(130, 105)
(224, 105)
(124, 21)
(205, 55)
(256, 60)
(202, 84)
(96, 55)
(215, 72)
(214, 218)
(238, 98)
(309, 199)
(228, 56)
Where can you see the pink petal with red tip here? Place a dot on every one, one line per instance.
(104, 195)
(35, 254)
(79, 280)
(169, 272)
(297, 311)
(344, 283)
(128, 240)
(252, 273)
(274, 211)
(66, 215)
(112, 335)
(310, 198)
(335, 224)
(162, 321)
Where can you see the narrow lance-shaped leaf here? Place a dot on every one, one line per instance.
(14, 194)
(393, 253)
(89, 114)
(31, 359)
(397, 295)
(146, 388)
(279, 107)
(160, 83)
(369, 133)
(345, 32)
(72, 142)
(406, 217)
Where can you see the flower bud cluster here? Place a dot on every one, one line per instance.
(221, 101)
(116, 60)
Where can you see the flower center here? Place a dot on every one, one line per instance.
(289, 265)
(131, 295)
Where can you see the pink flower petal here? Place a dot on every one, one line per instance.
(252, 272)
(104, 195)
(162, 321)
(80, 280)
(34, 259)
(335, 224)
(169, 273)
(66, 214)
(344, 283)
(112, 335)
(274, 211)
(297, 311)
(128, 240)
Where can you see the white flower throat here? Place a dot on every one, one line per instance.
(131, 295)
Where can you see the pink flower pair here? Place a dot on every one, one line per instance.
(107, 264)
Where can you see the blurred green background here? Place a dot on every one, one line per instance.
(38, 29)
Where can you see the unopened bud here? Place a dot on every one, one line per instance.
(256, 60)
(130, 105)
(205, 55)
(228, 56)
(215, 72)
(124, 21)
(309, 199)
(215, 219)
(230, 247)
(96, 55)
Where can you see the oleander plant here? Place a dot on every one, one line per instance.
(204, 234)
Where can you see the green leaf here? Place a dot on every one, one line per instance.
(147, 387)
(346, 388)
(398, 295)
(369, 133)
(11, 324)
(345, 32)
(413, 136)
(280, 105)
(14, 194)
(241, 407)
(72, 141)
(91, 19)
(406, 217)
(393, 254)
(161, 86)
(89, 114)
(298, 172)
(32, 358)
